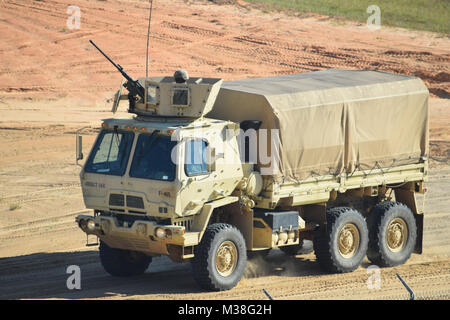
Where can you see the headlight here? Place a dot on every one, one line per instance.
(160, 233)
(91, 225)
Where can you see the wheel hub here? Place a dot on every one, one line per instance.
(348, 240)
(226, 258)
(396, 234)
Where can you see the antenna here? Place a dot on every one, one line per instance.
(148, 37)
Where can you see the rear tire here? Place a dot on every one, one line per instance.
(393, 234)
(343, 245)
(220, 258)
(123, 263)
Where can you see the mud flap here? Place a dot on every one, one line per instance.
(419, 241)
(408, 197)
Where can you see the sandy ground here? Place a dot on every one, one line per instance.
(53, 83)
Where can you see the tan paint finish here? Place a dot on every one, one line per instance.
(190, 201)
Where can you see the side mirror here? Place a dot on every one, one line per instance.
(250, 124)
(79, 148)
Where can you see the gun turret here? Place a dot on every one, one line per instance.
(133, 86)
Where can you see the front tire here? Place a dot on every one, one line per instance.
(123, 263)
(393, 234)
(343, 245)
(220, 258)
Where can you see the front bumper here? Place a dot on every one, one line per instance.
(140, 236)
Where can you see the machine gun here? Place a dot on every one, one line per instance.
(133, 86)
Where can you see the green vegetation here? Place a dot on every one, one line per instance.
(429, 15)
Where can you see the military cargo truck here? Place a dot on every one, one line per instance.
(209, 172)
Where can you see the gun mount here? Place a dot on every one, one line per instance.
(134, 88)
(168, 97)
(177, 96)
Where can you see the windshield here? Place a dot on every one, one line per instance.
(152, 158)
(110, 153)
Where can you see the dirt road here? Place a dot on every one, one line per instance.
(42, 273)
(53, 83)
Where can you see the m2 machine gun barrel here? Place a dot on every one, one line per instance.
(133, 86)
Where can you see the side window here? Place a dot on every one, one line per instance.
(180, 97)
(152, 95)
(195, 161)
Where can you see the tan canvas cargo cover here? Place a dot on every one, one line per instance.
(334, 121)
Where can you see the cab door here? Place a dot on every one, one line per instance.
(196, 176)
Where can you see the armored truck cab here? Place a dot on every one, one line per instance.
(212, 173)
